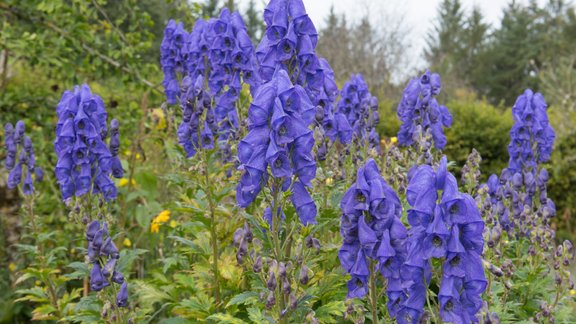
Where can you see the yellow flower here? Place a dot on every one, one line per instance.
(572, 292)
(138, 156)
(12, 267)
(38, 283)
(127, 242)
(162, 218)
(173, 223)
(329, 181)
(394, 140)
(122, 182)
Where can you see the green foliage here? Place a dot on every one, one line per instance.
(482, 126)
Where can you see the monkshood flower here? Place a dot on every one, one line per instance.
(361, 111)
(103, 255)
(217, 58)
(20, 160)
(290, 43)
(172, 59)
(84, 161)
(279, 145)
(418, 107)
(372, 231)
(532, 136)
(445, 224)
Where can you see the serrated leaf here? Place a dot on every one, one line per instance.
(225, 318)
(247, 298)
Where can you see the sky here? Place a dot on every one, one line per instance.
(417, 15)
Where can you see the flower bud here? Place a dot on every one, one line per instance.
(282, 270)
(271, 300)
(248, 233)
(257, 264)
(304, 275)
(238, 235)
(271, 283)
(293, 301)
(286, 288)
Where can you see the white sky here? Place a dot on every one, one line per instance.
(418, 15)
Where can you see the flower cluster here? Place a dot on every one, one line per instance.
(172, 59)
(290, 44)
(15, 140)
(445, 224)
(361, 111)
(278, 121)
(84, 161)
(419, 107)
(531, 137)
(103, 255)
(162, 218)
(372, 231)
(216, 57)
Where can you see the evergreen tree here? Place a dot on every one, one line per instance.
(445, 40)
(254, 23)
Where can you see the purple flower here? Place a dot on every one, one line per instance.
(418, 107)
(532, 136)
(445, 224)
(379, 237)
(17, 144)
(122, 298)
(278, 138)
(84, 161)
(104, 256)
(360, 109)
(213, 61)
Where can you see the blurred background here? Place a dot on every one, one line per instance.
(487, 52)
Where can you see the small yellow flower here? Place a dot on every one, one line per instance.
(572, 292)
(329, 181)
(127, 242)
(73, 250)
(162, 218)
(122, 182)
(173, 223)
(12, 267)
(394, 140)
(38, 283)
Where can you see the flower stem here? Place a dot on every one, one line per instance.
(213, 236)
(373, 293)
(276, 216)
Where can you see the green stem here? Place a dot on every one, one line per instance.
(276, 239)
(373, 293)
(214, 238)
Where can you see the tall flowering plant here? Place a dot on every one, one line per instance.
(373, 238)
(204, 71)
(446, 225)
(15, 141)
(85, 163)
(420, 112)
(84, 167)
(519, 216)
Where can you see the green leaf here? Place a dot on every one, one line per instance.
(225, 318)
(326, 313)
(255, 314)
(248, 298)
